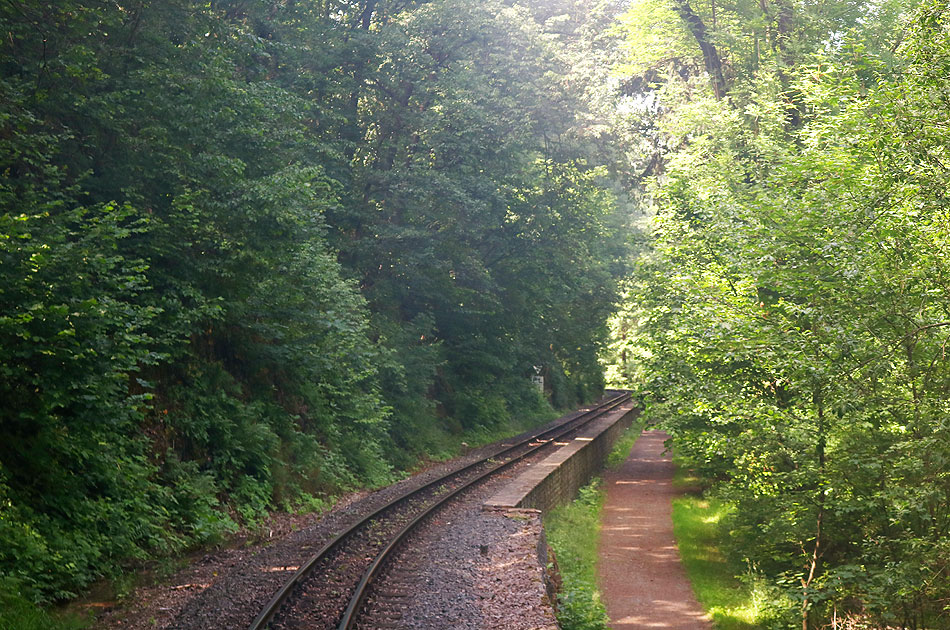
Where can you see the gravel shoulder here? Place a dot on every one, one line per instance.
(474, 569)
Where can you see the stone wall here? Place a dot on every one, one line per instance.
(557, 478)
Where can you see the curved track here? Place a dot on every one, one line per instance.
(331, 588)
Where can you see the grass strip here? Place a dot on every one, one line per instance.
(573, 531)
(698, 528)
(623, 446)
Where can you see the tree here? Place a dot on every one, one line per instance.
(255, 254)
(792, 322)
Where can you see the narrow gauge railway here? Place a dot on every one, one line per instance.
(329, 591)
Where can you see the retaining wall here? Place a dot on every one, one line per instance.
(557, 478)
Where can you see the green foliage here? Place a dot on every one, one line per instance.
(70, 331)
(792, 317)
(22, 614)
(465, 226)
(252, 256)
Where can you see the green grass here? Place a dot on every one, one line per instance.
(623, 446)
(17, 613)
(573, 531)
(697, 525)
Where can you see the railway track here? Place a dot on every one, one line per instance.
(330, 590)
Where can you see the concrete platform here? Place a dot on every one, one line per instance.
(556, 479)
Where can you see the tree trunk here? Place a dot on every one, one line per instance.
(711, 57)
(366, 16)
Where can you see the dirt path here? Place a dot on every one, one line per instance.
(641, 577)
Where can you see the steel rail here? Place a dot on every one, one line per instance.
(281, 595)
(348, 621)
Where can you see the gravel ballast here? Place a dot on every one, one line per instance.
(479, 569)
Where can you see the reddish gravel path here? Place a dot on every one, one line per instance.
(642, 580)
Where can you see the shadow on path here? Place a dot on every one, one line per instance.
(641, 576)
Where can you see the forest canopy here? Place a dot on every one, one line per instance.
(254, 254)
